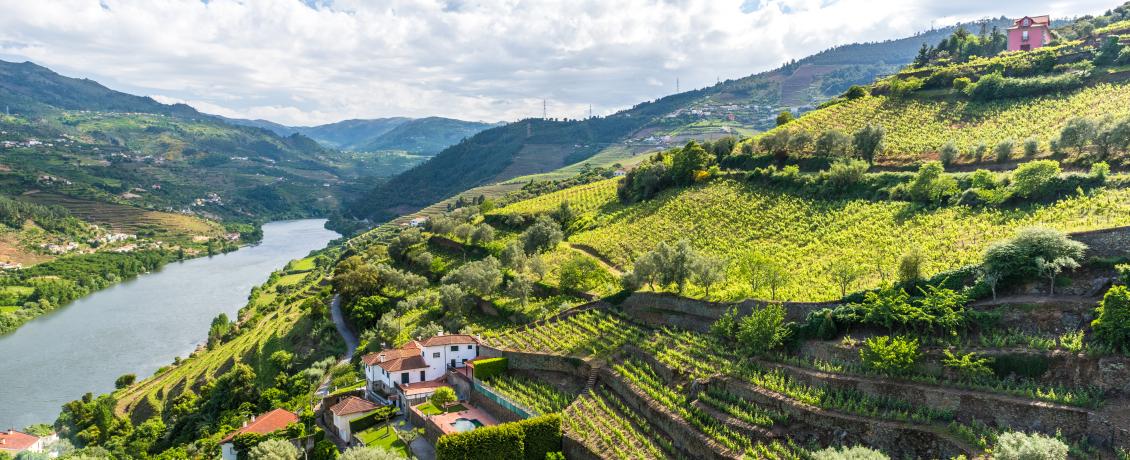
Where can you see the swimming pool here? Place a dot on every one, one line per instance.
(464, 424)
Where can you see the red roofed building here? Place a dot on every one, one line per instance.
(264, 424)
(1029, 33)
(14, 442)
(347, 410)
(389, 371)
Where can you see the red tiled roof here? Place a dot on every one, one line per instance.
(1037, 21)
(392, 354)
(450, 339)
(266, 423)
(352, 405)
(16, 441)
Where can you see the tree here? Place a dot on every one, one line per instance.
(868, 142)
(125, 380)
(480, 277)
(775, 276)
(948, 153)
(784, 117)
(1004, 149)
(521, 287)
(453, 298)
(565, 215)
(427, 330)
(848, 453)
(370, 453)
(991, 278)
(910, 267)
(542, 236)
(482, 234)
(763, 329)
(1112, 319)
(1052, 268)
(844, 273)
(581, 273)
(1031, 178)
(923, 56)
(1017, 258)
(1031, 147)
(274, 449)
(1078, 133)
(708, 271)
(442, 397)
(1019, 446)
(688, 162)
(833, 143)
(856, 92)
(324, 450)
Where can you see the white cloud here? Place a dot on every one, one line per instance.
(293, 63)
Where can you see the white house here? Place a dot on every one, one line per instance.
(13, 442)
(391, 371)
(263, 424)
(348, 409)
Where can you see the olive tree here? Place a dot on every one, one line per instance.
(868, 142)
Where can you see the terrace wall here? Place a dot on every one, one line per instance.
(530, 361)
(663, 309)
(575, 449)
(1108, 242)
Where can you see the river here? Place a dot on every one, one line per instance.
(136, 326)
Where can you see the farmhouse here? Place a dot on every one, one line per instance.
(347, 410)
(1029, 33)
(404, 375)
(263, 424)
(13, 442)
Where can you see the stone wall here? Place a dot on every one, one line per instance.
(1110, 242)
(576, 450)
(896, 439)
(663, 309)
(499, 413)
(530, 361)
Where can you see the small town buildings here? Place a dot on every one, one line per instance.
(401, 375)
(348, 409)
(1029, 33)
(263, 424)
(13, 442)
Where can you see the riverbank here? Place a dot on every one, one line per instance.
(138, 325)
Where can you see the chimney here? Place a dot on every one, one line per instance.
(440, 333)
(252, 418)
(381, 357)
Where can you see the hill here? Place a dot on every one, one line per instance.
(734, 107)
(419, 136)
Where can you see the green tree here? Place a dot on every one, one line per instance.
(848, 453)
(1078, 133)
(581, 273)
(910, 267)
(706, 271)
(844, 273)
(833, 143)
(763, 329)
(482, 234)
(689, 162)
(125, 380)
(480, 277)
(1019, 446)
(274, 449)
(542, 236)
(784, 117)
(948, 153)
(1112, 319)
(1031, 178)
(1031, 147)
(1003, 150)
(868, 142)
(370, 453)
(1017, 258)
(324, 450)
(856, 92)
(442, 397)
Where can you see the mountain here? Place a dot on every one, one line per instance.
(733, 107)
(421, 136)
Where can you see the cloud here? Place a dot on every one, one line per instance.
(317, 61)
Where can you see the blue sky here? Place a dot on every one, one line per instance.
(319, 61)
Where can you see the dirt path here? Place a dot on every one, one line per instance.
(350, 338)
(604, 262)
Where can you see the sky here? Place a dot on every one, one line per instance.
(320, 61)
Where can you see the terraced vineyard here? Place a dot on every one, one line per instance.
(129, 219)
(589, 333)
(605, 425)
(530, 393)
(583, 199)
(918, 126)
(742, 223)
(697, 355)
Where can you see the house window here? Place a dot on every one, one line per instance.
(464, 361)
(470, 347)
(455, 348)
(1024, 35)
(403, 377)
(435, 355)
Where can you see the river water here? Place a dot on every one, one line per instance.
(136, 326)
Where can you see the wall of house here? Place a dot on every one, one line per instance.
(1037, 37)
(438, 366)
(227, 451)
(341, 424)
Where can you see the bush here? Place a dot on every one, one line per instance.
(849, 453)
(763, 329)
(1031, 147)
(442, 397)
(274, 449)
(1003, 150)
(969, 365)
(582, 273)
(1034, 177)
(948, 153)
(889, 355)
(125, 380)
(380, 415)
(961, 83)
(1020, 446)
(531, 439)
(856, 92)
(370, 453)
(1021, 257)
(845, 172)
(490, 367)
(1112, 318)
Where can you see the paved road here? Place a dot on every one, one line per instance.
(350, 338)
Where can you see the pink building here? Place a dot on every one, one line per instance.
(1029, 33)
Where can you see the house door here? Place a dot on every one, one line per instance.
(1025, 47)
(452, 363)
(421, 376)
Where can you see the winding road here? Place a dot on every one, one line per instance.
(350, 338)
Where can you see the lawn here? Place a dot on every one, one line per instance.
(383, 436)
(303, 265)
(430, 409)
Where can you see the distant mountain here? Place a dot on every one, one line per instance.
(30, 88)
(421, 136)
(352, 134)
(733, 107)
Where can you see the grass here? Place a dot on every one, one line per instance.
(303, 265)
(428, 408)
(744, 223)
(349, 388)
(290, 280)
(383, 435)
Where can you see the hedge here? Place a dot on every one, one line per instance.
(531, 439)
(379, 415)
(487, 368)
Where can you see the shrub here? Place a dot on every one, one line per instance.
(581, 273)
(324, 450)
(856, 92)
(849, 453)
(948, 153)
(979, 152)
(1003, 150)
(370, 453)
(1020, 446)
(1032, 178)
(274, 449)
(531, 439)
(490, 367)
(1112, 318)
(961, 83)
(1099, 171)
(1031, 147)
(125, 380)
(442, 397)
(889, 355)
(763, 329)
(1020, 257)
(968, 365)
(845, 173)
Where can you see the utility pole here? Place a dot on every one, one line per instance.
(590, 110)
(543, 112)
(676, 84)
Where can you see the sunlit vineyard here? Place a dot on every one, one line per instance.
(741, 223)
(582, 198)
(603, 423)
(916, 126)
(697, 355)
(532, 394)
(589, 333)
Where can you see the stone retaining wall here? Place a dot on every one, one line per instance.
(502, 414)
(1109, 242)
(530, 361)
(574, 449)
(663, 309)
(831, 428)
